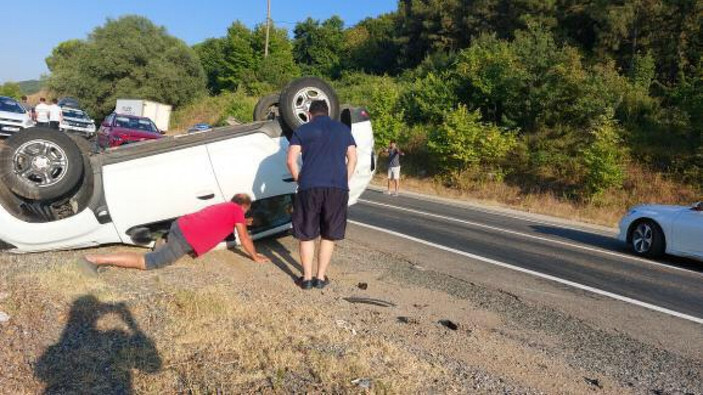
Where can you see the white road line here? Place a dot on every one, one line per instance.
(529, 236)
(525, 216)
(587, 288)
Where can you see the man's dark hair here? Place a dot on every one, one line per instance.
(55, 101)
(24, 98)
(242, 199)
(319, 107)
(42, 100)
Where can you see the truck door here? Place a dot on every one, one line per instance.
(159, 187)
(253, 163)
(366, 157)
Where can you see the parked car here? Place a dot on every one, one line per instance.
(118, 129)
(200, 127)
(13, 117)
(55, 194)
(77, 121)
(653, 230)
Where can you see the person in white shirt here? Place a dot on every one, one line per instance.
(55, 115)
(41, 113)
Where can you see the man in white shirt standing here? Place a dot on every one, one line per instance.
(55, 115)
(41, 113)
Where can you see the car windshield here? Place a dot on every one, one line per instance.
(74, 113)
(9, 105)
(135, 124)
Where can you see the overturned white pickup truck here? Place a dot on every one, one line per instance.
(56, 193)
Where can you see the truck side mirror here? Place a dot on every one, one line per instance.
(697, 206)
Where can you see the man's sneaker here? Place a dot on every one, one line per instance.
(87, 268)
(320, 284)
(305, 284)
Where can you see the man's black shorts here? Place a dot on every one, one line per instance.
(320, 212)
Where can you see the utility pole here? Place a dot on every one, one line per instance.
(268, 27)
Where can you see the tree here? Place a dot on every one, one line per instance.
(239, 60)
(463, 142)
(127, 57)
(371, 46)
(212, 57)
(11, 89)
(319, 46)
(279, 67)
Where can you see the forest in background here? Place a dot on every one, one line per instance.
(581, 99)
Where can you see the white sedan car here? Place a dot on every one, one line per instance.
(56, 194)
(653, 230)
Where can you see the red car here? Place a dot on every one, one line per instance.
(118, 129)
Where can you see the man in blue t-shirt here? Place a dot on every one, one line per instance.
(320, 208)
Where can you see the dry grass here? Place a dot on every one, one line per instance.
(214, 110)
(640, 187)
(196, 333)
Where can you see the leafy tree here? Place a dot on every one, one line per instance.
(427, 99)
(603, 158)
(11, 89)
(371, 45)
(279, 67)
(212, 56)
(239, 61)
(463, 142)
(127, 57)
(318, 47)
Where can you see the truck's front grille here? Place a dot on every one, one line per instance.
(8, 120)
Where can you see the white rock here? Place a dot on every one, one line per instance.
(4, 317)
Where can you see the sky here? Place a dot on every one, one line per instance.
(30, 30)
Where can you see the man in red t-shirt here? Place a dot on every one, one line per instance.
(195, 233)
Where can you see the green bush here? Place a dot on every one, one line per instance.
(603, 158)
(463, 143)
(381, 96)
(427, 99)
(11, 89)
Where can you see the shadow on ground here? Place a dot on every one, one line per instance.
(282, 258)
(87, 359)
(612, 244)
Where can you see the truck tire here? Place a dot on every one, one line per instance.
(41, 164)
(267, 108)
(297, 96)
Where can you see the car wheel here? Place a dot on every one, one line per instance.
(647, 239)
(41, 164)
(267, 108)
(297, 96)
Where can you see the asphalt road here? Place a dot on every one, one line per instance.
(581, 255)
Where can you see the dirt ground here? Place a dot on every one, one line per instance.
(223, 324)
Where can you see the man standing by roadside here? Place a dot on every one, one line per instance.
(28, 107)
(394, 155)
(55, 115)
(320, 208)
(41, 113)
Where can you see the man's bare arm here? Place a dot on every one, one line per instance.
(351, 161)
(293, 154)
(248, 244)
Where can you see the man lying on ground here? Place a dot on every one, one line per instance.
(195, 233)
